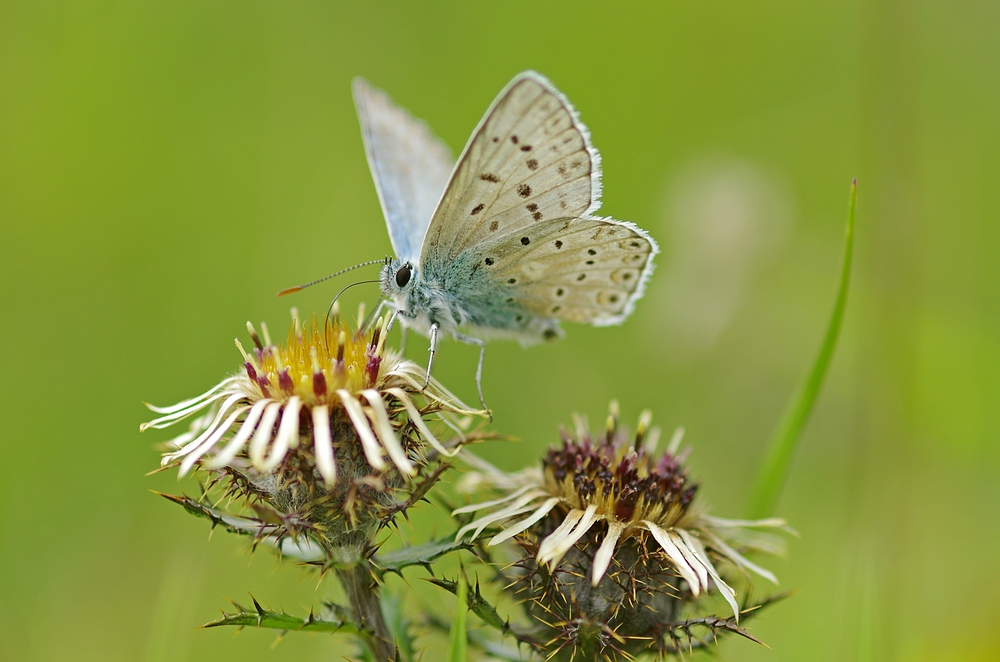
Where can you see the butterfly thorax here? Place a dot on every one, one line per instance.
(457, 294)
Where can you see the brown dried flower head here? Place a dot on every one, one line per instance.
(615, 552)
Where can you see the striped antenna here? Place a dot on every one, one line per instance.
(342, 271)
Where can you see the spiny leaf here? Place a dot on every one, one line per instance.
(241, 525)
(264, 618)
(476, 602)
(423, 554)
(781, 447)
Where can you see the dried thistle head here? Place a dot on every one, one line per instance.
(614, 554)
(323, 436)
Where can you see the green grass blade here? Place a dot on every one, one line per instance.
(781, 448)
(458, 644)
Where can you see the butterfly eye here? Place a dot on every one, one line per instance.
(403, 275)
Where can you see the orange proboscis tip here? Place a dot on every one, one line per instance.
(289, 290)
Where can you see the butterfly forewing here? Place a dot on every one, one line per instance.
(409, 164)
(528, 162)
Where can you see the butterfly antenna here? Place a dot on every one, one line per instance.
(342, 271)
(344, 289)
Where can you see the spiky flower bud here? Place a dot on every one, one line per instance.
(616, 556)
(321, 434)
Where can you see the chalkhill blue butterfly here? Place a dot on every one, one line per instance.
(504, 243)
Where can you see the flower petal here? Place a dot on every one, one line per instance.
(263, 435)
(235, 445)
(323, 445)
(418, 421)
(369, 444)
(385, 433)
(725, 589)
(690, 556)
(557, 536)
(526, 523)
(516, 508)
(555, 554)
(675, 556)
(471, 508)
(721, 522)
(737, 558)
(184, 404)
(209, 442)
(287, 437)
(607, 550)
(209, 431)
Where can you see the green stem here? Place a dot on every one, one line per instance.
(362, 596)
(781, 448)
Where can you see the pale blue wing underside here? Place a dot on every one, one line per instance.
(410, 165)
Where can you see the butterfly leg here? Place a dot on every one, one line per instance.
(469, 340)
(430, 361)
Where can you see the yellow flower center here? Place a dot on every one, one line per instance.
(317, 360)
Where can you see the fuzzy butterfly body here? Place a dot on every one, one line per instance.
(504, 243)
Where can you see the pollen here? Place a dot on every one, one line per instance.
(317, 359)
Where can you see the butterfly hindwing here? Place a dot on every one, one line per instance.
(530, 160)
(587, 270)
(409, 164)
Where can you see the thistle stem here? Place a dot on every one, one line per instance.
(362, 597)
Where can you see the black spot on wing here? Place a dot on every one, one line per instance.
(514, 139)
(525, 241)
(511, 280)
(494, 225)
(558, 243)
(524, 190)
(489, 177)
(532, 164)
(591, 251)
(531, 206)
(488, 261)
(478, 208)
(537, 216)
(525, 148)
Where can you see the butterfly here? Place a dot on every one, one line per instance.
(504, 243)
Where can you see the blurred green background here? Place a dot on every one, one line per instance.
(166, 167)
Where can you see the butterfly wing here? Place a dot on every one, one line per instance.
(518, 209)
(409, 164)
(589, 270)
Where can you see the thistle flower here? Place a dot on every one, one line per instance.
(617, 546)
(327, 424)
